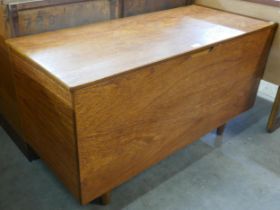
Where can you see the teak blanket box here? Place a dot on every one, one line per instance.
(103, 102)
(20, 18)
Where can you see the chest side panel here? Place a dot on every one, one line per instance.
(7, 91)
(129, 122)
(47, 121)
(8, 106)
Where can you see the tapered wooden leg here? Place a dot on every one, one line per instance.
(106, 198)
(221, 129)
(274, 121)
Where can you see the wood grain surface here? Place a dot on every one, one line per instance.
(130, 122)
(109, 100)
(48, 123)
(117, 46)
(8, 106)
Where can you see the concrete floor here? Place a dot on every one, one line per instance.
(236, 172)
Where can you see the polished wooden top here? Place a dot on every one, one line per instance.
(80, 56)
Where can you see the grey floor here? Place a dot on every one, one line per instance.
(236, 172)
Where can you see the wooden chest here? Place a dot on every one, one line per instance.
(101, 103)
(19, 18)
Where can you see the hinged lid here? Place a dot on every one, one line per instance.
(83, 55)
